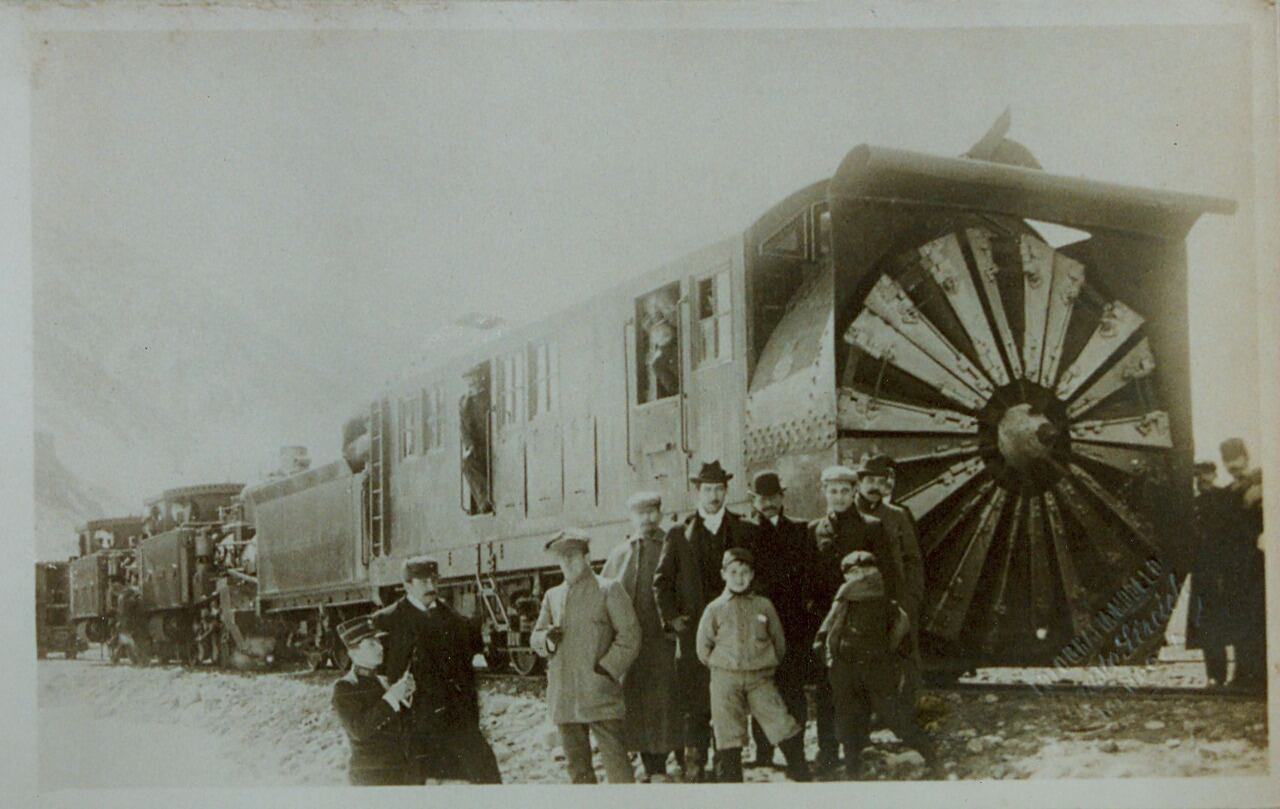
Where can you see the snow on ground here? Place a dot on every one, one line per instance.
(164, 726)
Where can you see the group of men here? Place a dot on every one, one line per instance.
(1228, 601)
(696, 632)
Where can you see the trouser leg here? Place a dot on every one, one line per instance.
(851, 709)
(576, 740)
(764, 750)
(475, 758)
(654, 763)
(613, 752)
(824, 711)
(1215, 660)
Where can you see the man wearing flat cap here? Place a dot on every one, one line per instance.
(425, 637)
(587, 629)
(841, 532)
(653, 715)
(904, 564)
(783, 559)
(372, 710)
(687, 579)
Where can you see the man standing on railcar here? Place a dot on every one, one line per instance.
(588, 629)
(783, 559)
(875, 485)
(835, 536)
(687, 579)
(427, 638)
(652, 724)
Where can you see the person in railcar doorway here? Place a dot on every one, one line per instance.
(842, 531)
(1241, 531)
(876, 475)
(473, 415)
(588, 629)
(652, 724)
(372, 710)
(434, 643)
(687, 578)
(783, 558)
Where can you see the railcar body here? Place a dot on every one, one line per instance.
(1036, 398)
(100, 573)
(54, 631)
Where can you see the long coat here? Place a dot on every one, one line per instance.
(904, 545)
(687, 579)
(834, 537)
(653, 714)
(375, 731)
(784, 561)
(600, 635)
(437, 646)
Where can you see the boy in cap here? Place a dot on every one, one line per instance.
(587, 628)
(427, 637)
(652, 723)
(863, 640)
(740, 640)
(372, 711)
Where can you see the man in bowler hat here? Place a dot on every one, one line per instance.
(372, 710)
(436, 645)
(687, 579)
(783, 559)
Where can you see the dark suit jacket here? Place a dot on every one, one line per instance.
(437, 646)
(375, 730)
(834, 537)
(785, 557)
(688, 574)
(904, 544)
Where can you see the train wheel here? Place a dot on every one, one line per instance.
(526, 662)
(1017, 395)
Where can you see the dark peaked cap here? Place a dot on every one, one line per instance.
(419, 567)
(352, 632)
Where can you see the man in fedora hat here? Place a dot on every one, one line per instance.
(653, 714)
(842, 531)
(904, 563)
(372, 710)
(588, 629)
(783, 558)
(687, 579)
(425, 637)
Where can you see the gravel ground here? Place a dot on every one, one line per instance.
(278, 728)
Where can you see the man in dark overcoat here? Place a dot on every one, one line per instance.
(875, 484)
(372, 710)
(1241, 529)
(687, 579)
(784, 558)
(652, 725)
(436, 644)
(1209, 618)
(841, 532)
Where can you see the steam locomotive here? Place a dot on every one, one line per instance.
(1035, 397)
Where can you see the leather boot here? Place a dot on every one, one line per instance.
(793, 751)
(693, 761)
(764, 756)
(729, 765)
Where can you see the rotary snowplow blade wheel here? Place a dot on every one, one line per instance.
(1017, 397)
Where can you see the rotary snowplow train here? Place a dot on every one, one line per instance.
(1036, 398)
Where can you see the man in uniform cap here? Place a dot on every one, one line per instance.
(588, 629)
(687, 578)
(652, 723)
(427, 638)
(1240, 531)
(783, 559)
(842, 531)
(372, 711)
(904, 566)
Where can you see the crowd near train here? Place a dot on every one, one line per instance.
(1022, 400)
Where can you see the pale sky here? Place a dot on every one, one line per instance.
(283, 220)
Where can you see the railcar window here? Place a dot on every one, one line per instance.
(657, 358)
(715, 321)
(543, 378)
(432, 418)
(511, 389)
(410, 417)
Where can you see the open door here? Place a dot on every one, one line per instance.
(657, 354)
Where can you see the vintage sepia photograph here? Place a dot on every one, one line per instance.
(440, 395)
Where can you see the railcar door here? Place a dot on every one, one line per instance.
(657, 359)
(717, 384)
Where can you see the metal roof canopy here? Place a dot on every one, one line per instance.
(110, 522)
(880, 174)
(206, 488)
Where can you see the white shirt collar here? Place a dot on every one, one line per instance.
(415, 602)
(774, 519)
(712, 521)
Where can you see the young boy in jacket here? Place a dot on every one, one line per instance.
(740, 640)
(862, 641)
